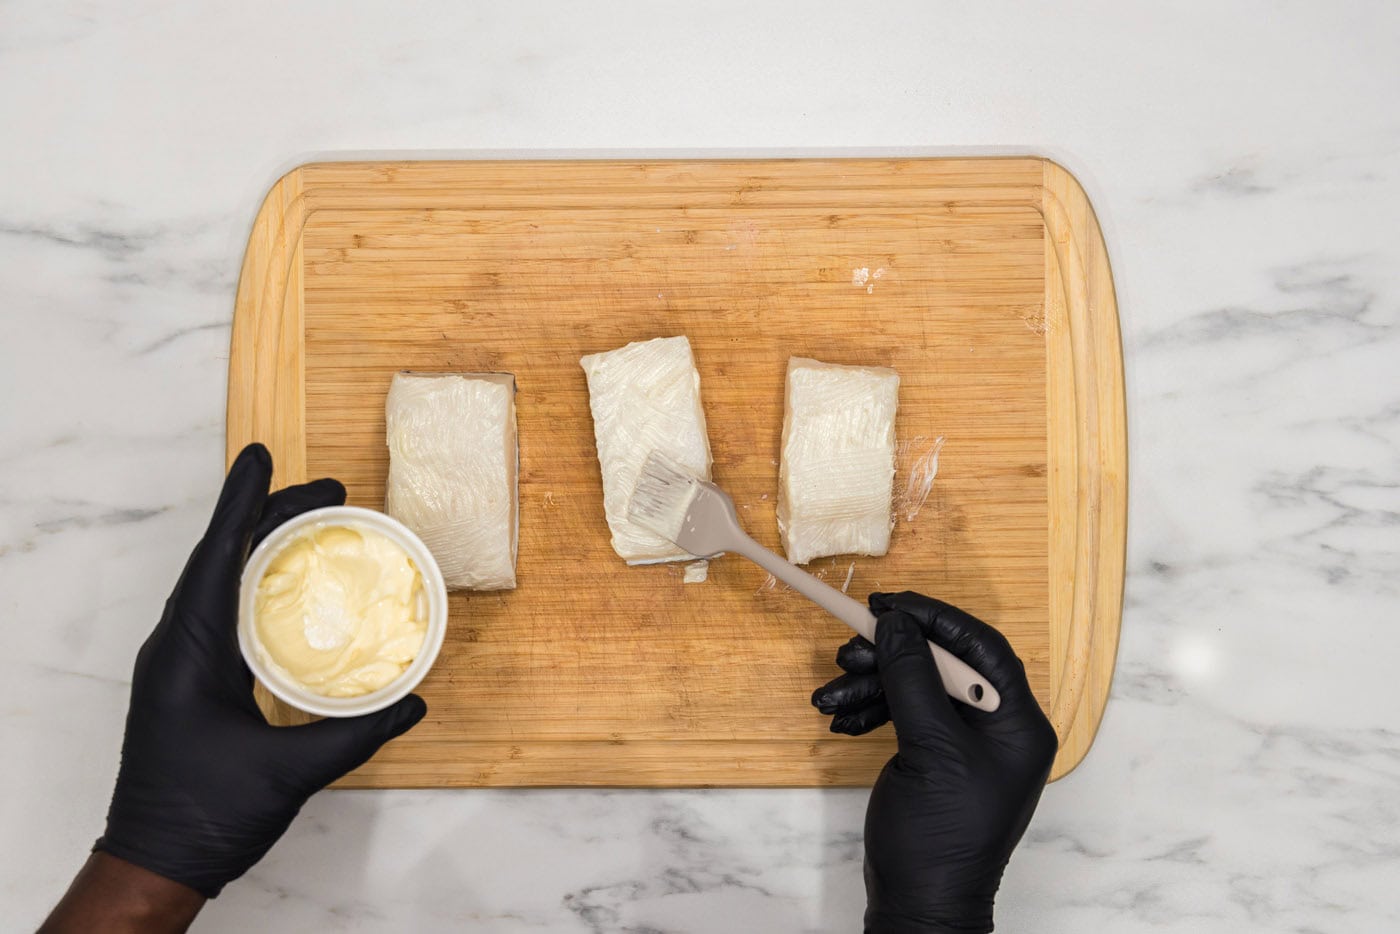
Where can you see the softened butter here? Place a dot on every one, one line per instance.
(340, 610)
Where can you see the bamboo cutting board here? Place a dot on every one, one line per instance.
(984, 282)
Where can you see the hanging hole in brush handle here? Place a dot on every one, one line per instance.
(960, 680)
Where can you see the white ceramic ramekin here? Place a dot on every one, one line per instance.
(289, 691)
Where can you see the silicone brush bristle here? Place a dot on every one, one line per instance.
(662, 496)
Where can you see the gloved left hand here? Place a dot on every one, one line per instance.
(206, 786)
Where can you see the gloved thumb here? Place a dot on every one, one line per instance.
(332, 747)
(924, 720)
(217, 563)
(241, 498)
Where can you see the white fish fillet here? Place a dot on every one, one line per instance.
(838, 460)
(453, 466)
(645, 397)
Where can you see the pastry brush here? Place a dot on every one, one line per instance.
(700, 518)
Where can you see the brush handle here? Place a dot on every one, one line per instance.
(960, 680)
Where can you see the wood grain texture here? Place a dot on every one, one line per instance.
(993, 300)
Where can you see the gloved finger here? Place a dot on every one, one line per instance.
(329, 748)
(241, 500)
(207, 594)
(292, 501)
(846, 692)
(862, 720)
(923, 715)
(857, 656)
(973, 641)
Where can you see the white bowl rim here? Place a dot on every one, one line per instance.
(434, 590)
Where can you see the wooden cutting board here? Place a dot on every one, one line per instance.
(984, 282)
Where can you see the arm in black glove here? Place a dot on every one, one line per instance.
(951, 805)
(206, 786)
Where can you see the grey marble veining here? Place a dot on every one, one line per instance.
(1244, 160)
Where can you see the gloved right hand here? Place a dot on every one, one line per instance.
(951, 805)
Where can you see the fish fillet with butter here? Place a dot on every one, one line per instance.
(453, 467)
(645, 397)
(837, 471)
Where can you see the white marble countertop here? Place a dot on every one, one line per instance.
(1243, 160)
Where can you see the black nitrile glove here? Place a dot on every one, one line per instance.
(951, 805)
(206, 786)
